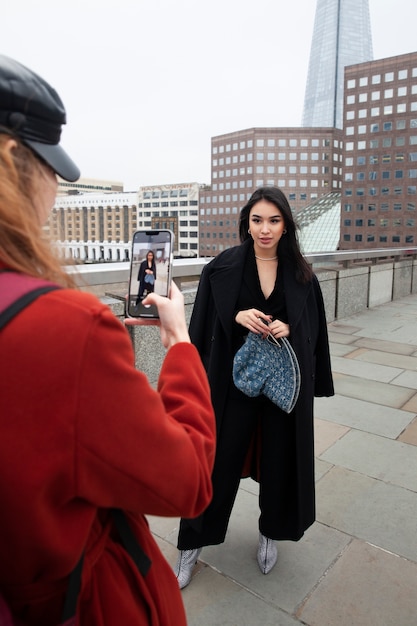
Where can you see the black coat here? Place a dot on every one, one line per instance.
(211, 330)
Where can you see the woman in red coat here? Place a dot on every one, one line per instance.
(82, 431)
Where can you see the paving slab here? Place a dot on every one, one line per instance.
(400, 361)
(368, 371)
(354, 592)
(406, 379)
(409, 434)
(386, 346)
(369, 509)
(341, 338)
(300, 564)
(341, 349)
(325, 434)
(372, 391)
(363, 415)
(385, 459)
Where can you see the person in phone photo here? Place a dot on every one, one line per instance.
(146, 276)
(85, 438)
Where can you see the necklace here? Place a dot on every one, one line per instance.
(273, 258)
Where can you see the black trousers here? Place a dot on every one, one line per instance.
(239, 424)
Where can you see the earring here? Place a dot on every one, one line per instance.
(249, 231)
(284, 232)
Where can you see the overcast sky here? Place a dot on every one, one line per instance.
(146, 84)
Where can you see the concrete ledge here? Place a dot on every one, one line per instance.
(403, 271)
(380, 284)
(352, 291)
(328, 283)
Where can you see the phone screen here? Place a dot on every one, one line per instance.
(150, 269)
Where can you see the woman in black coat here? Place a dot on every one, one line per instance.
(146, 276)
(265, 279)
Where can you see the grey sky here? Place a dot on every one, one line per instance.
(147, 83)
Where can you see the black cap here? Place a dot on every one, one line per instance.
(32, 110)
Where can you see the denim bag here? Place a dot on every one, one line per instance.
(268, 366)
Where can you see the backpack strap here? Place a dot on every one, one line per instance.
(17, 291)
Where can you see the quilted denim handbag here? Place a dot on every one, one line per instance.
(269, 367)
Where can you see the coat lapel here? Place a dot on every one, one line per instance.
(298, 295)
(225, 285)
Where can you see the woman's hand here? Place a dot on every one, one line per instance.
(254, 320)
(171, 317)
(279, 329)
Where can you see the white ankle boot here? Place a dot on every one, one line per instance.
(184, 566)
(267, 554)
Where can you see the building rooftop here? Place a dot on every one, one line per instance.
(319, 224)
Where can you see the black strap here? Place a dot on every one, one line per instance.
(18, 305)
(73, 589)
(130, 542)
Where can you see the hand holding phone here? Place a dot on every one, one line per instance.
(171, 317)
(150, 270)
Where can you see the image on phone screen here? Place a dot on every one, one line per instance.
(150, 269)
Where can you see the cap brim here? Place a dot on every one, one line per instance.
(56, 158)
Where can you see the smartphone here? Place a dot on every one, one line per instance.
(150, 270)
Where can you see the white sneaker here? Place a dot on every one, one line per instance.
(185, 564)
(267, 554)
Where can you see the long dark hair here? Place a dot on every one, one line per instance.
(288, 246)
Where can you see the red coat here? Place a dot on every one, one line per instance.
(82, 431)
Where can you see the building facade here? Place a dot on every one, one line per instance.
(174, 207)
(341, 37)
(98, 227)
(379, 189)
(304, 162)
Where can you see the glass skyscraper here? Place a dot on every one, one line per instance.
(341, 36)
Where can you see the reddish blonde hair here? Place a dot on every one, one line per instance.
(23, 244)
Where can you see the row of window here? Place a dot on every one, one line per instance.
(167, 213)
(277, 169)
(270, 182)
(272, 143)
(378, 95)
(376, 79)
(242, 198)
(226, 235)
(407, 239)
(384, 206)
(385, 175)
(276, 156)
(374, 143)
(373, 159)
(385, 191)
(173, 193)
(384, 223)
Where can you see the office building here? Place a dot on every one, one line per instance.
(304, 162)
(379, 189)
(341, 37)
(174, 207)
(98, 227)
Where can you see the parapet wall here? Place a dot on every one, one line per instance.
(346, 291)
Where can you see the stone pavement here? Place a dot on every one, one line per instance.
(357, 565)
